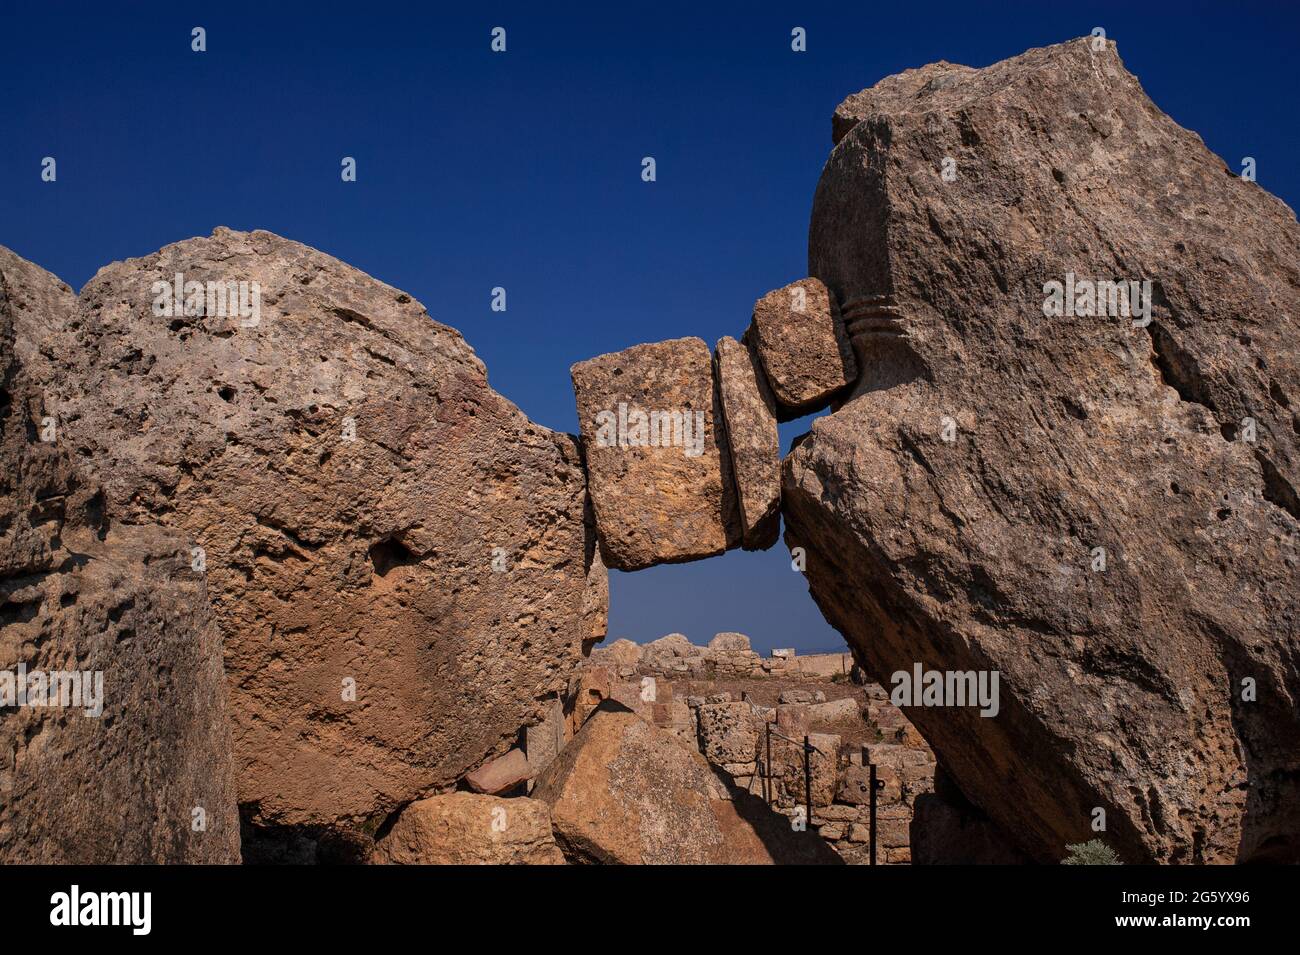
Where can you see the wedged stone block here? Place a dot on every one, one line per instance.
(752, 439)
(659, 478)
(799, 337)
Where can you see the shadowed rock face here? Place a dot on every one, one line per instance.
(373, 514)
(149, 778)
(953, 505)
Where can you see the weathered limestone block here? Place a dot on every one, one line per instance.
(792, 719)
(834, 711)
(956, 508)
(595, 596)
(620, 653)
(681, 721)
(855, 785)
(588, 688)
(835, 813)
(800, 338)
(899, 757)
(788, 767)
(750, 413)
(462, 828)
(543, 741)
(134, 748)
(824, 665)
(728, 733)
(652, 435)
(801, 695)
(624, 791)
(396, 556)
(729, 642)
(669, 653)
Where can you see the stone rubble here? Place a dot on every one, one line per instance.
(731, 734)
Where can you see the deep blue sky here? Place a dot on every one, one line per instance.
(523, 170)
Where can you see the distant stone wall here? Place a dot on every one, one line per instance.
(727, 656)
(732, 734)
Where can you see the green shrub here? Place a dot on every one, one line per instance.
(1093, 852)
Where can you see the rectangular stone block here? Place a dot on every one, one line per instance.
(728, 734)
(750, 413)
(543, 742)
(501, 774)
(653, 436)
(788, 766)
(799, 336)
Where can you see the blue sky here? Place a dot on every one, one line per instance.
(522, 169)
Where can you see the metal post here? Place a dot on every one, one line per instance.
(872, 784)
(807, 778)
(767, 772)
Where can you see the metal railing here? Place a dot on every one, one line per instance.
(766, 775)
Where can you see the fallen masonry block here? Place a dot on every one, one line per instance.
(470, 829)
(652, 433)
(753, 442)
(799, 695)
(800, 339)
(501, 774)
(620, 653)
(588, 688)
(727, 733)
(792, 719)
(1172, 480)
(379, 528)
(788, 767)
(624, 791)
(834, 710)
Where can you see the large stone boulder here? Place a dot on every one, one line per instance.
(114, 740)
(1076, 502)
(470, 829)
(624, 791)
(396, 556)
(652, 436)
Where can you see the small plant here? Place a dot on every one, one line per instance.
(1093, 852)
